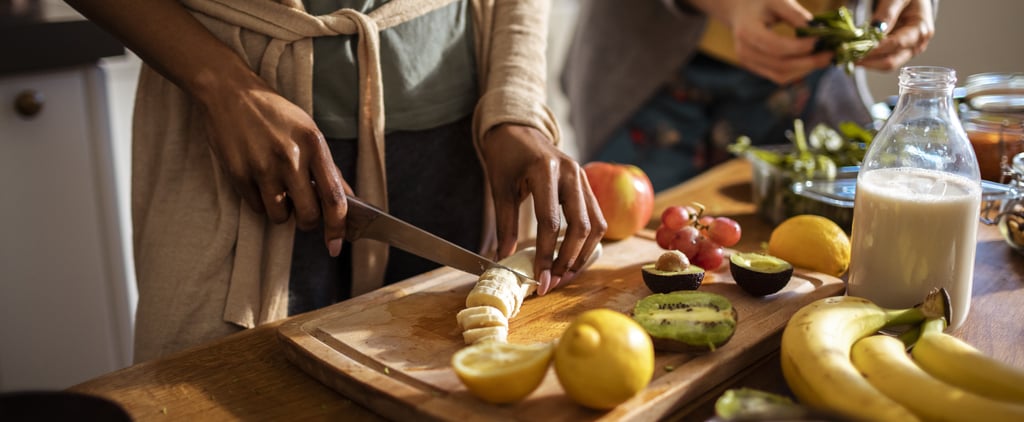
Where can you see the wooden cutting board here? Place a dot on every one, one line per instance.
(390, 350)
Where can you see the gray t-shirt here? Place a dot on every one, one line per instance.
(428, 70)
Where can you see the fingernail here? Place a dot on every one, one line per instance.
(334, 247)
(877, 24)
(544, 283)
(555, 281)
(568, 276)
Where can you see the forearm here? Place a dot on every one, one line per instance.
(515, 91)
(169, 39)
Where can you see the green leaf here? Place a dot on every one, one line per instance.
(838, 33)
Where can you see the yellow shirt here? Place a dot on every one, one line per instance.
(717, 41)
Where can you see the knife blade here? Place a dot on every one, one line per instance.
(364, 221)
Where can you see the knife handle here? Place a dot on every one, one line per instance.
(359, 217)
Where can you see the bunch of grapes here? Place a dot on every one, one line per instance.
(700, 237)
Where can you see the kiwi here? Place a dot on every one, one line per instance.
(748, 404)
(741, 403)
(760, 274)
(687, 321)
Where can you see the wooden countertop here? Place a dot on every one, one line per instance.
(246, 375)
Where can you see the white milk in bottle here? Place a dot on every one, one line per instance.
(915, 229)
(916, 209)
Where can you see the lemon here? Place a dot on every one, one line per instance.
(604, 358)
(499, 372)
(812, 242)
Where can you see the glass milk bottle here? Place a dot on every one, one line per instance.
(916, 208)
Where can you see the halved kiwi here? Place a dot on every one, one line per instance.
(687, 321)
(760, 274)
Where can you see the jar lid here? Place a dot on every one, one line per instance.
(995, 92)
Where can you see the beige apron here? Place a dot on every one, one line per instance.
(230, 252)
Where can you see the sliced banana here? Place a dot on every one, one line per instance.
(497, 287)
(498, 295)
(481, 316)
(476, 335)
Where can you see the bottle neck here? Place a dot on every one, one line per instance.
(918, 101)
(928, 89)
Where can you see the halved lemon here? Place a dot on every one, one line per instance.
(499, 372)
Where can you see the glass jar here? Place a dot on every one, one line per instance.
(993, 117)
(918, 193)
(1011, 209)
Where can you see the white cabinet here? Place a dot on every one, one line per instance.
(65, 312)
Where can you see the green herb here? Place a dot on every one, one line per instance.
(838, 33)
(816, 155)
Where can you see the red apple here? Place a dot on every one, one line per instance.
(625, 195)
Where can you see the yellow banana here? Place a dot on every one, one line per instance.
(816, 357)
(954, 361)
(797, 384)
(885, 364)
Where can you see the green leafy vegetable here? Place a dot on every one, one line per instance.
(838, 33)
(816, 155)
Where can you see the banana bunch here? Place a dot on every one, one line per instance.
(834, 360)
(884, 362)
(496, 298)
(952, 360)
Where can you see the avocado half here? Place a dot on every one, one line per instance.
(660, 281)
(760, 274)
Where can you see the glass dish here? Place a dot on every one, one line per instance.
(840, 192)
(773, 194)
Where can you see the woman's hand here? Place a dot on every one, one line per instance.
(275, 157)
(777, 57)
(521, 161)
(910, 24)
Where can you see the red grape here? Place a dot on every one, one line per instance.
(709, 255)
(675, 217)
(664, 236)
(724, 231)
(686, 241)
(703, 224)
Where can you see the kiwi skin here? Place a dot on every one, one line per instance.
(769, 275)
(689, 334)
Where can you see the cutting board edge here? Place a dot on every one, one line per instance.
(302, 349)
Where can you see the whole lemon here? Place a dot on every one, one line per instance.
(812, 242)
(604, 358)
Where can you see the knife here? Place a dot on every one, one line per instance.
(364, 221)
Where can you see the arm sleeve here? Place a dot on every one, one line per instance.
(512, 39)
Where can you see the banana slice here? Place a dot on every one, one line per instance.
(476, 335)
(481, 316)
(496, 287)
(498, 295)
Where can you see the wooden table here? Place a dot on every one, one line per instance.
(246, 376)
